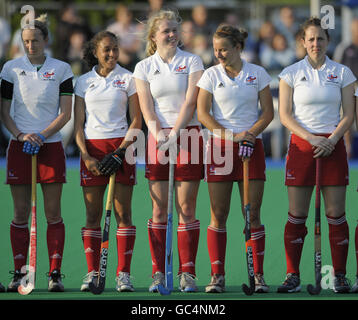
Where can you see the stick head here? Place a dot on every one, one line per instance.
(95, 288)
(248, 290)
(163, 290)
(313, 290)
(25, 289)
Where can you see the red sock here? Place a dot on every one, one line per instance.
(55, 244)
(294, 237)
(125, 244)
(188, 240)
(339, 241)
(356, 246)
(20, 240)
(92, 239)
(216, 239)
(258, 248)
(157, 237)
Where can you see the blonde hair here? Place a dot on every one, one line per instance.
(40, 23)
(152, 27)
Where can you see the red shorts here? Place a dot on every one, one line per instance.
(189, 163)
(224, 164)
(51, 164)
(300, 164)
(98, 148)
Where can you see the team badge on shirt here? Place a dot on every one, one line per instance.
(119, 83)
(332, 78)
(251, 80)
(48, 75)
(181, 69)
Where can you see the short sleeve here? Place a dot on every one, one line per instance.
(205, 82)
(131, 87)
(287, 76)
(6, 73)
(79, 88)
(67, 73)
(196, 64)
(264, 79)
(139, 71)
(348, 77)
(356, 93)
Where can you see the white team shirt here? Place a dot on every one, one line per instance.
(235, 101)
(106, 101)
(317, 93)
(168, 83)
(36, 95)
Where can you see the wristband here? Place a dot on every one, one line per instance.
(18, 136)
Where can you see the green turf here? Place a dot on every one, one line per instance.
(274, 217)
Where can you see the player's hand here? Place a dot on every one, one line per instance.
(33, 143)
(170, 140)
(322, 146)
(246, 148)
(112, 162)
(91, 164)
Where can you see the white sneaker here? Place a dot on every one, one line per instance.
(260, 285)
(216, 285)
(124, 283)
(158, 278)
(89, 277)
(54, 282)
(187, 282)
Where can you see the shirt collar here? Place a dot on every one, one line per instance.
(109, 75)
(326, 61)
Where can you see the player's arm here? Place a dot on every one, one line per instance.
(347, 118)
(204, 105)
(267, 113)
(189, 106)
(285, 111)
(66, 95)
(79, 122)
(7, 89)
(136, 121)
(147, 107)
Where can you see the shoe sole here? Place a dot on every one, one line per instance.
(214, 290)
(261, 290)
(297, 289)
(125, 289)
(342, 291)
(189, 290)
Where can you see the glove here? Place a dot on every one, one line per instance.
(30, 149)
(112, 162)
(246, 148)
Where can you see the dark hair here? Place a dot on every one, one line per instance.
(91, 46)
(234, 35)
(39, 23)
(312, 22)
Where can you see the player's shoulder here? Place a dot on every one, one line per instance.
(13, 62)
(187, 55)
(123, 71)
(252, 67)
(86, 76)
(58, 63)
(334, 64)
(213, 70)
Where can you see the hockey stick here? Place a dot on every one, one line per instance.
(248, 290)
(169, 238)
(314, 290)
(97, 288)
(28, 281)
